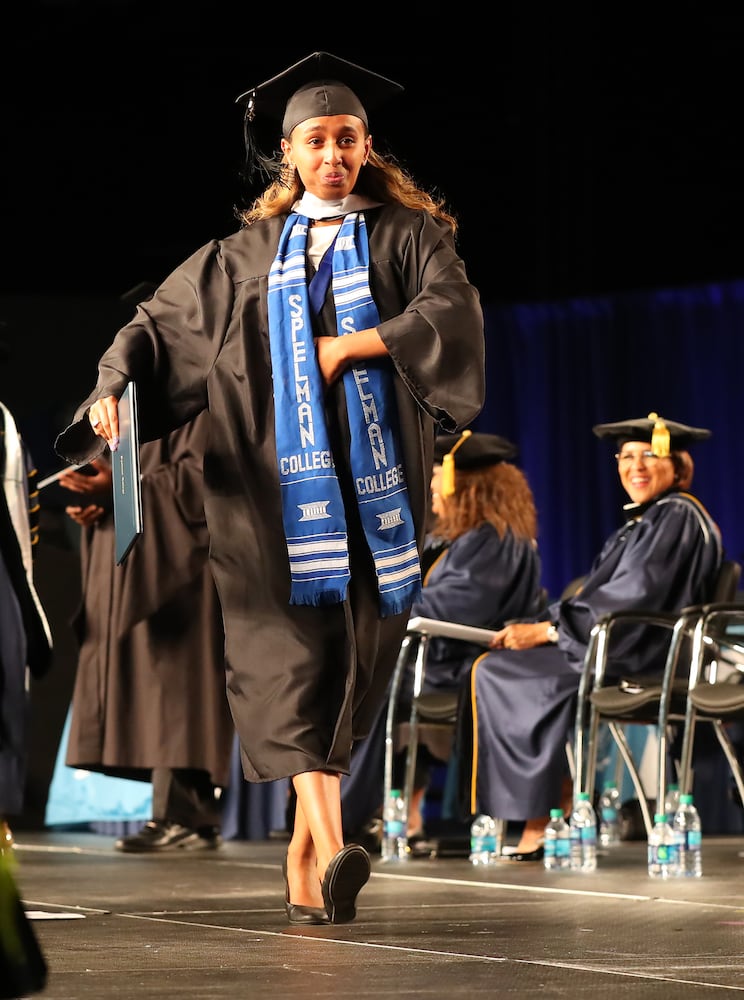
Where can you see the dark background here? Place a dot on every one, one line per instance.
(582, 153)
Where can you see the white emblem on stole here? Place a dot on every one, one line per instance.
(390, 519)
(315, 511)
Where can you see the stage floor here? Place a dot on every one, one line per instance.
(212, 925)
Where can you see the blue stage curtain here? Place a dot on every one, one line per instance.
(555, 369)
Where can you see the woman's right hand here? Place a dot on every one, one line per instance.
(104, 419)
(520, 635)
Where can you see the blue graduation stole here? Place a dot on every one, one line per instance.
(312, 506)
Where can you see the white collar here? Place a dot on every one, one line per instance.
(319, 208)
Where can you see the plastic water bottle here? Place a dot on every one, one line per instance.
(394, 845)
(583, 830)
(671, 803)
(483, 840)
(557, 844)
(688, 833)
(609, 815)
(663, 851)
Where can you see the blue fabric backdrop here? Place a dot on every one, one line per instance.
(555, 369)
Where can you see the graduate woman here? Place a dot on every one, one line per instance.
(664, 557)
(329, 338)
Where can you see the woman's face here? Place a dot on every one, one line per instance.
(643, 475)
(328, 152)
(436, 485)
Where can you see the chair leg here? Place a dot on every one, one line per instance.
(590, 765)
(413, 725)
(395, 684)
(685, 758)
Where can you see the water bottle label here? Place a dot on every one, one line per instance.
(589, 835)
(563, 847)
(549, 849)
(477, 844)
(394, 828)
(609, 815)
(488, 844)
(663, 853)
(694, 840)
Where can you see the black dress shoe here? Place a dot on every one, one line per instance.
(347, 872)
(156, 837)
(297, 914)
(537, 855)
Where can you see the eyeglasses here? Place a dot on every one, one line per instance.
(628, 457)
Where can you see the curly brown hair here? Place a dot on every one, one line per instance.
(381, 179)
(496, 494)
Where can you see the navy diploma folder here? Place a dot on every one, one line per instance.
(125, 468)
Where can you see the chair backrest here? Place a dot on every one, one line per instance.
(727, 582)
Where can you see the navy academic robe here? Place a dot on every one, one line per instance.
(664, 558)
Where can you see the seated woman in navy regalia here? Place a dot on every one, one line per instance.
(663, 558)
(481, 567)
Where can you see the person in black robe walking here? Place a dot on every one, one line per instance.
(324, 402)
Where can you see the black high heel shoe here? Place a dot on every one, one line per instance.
(347, 871)
(297, 914)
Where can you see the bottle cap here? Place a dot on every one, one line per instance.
(583, 796)
(556, 813)
(686, 799)
(659, 817)
(610, 784)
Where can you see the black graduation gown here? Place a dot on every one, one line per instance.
(302, 681)
(150, 682)
(523, 701)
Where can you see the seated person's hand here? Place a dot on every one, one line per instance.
(85, 516)
(97, 484)
(521, 635)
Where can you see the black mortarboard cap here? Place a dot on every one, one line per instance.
(319, 84)
(468, 451)
(663, 435)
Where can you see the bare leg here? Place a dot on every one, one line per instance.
(532, 833)
(415, 819)
(317, 835)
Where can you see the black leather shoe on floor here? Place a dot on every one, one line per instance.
(347, 872)
(298, 914)
(156, 837)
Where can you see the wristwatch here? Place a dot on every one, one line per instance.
(552, 633)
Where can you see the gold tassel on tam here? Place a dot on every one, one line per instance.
(448, 467)
(659, 437)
